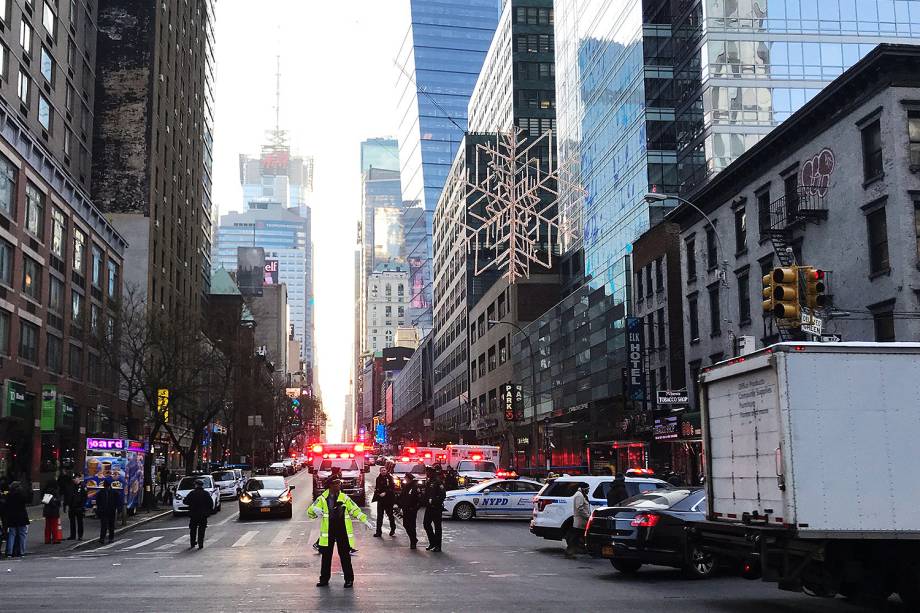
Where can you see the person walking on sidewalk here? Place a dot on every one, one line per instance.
(384, 496)
(108, 503)
(335, 511)
(581, 509)
(16, 519)
(76, 508)
(51, 511)
(434, 500)
(409, 502)
(200, 505)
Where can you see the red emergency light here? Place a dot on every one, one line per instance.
(476, 456)
(427, 455)
(404, 459)
(317, 448)
(410, 450)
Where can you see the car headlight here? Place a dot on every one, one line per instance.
(178, 496)
(245, 498)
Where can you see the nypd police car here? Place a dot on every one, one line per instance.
(493, 498)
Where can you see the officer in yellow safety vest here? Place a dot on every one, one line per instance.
(335, 531)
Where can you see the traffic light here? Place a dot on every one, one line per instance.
(786, 293)
(815, 287)
(769, 287)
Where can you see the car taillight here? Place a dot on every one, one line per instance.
(543, 503)
(645, 520)
(588, 525)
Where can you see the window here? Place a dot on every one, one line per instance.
(47, 65)
(4, 62)
(54, 353)
(663, 378)
(23, 87)
(648, 280)
(878, 241)
(872, 150)
(691, 259)
(55, 295)
(639, 293)
(44, 113)
(4, 332)
(502, 351)
(740, 230)
(744, 298)
(49, 20)
(31, 278)
(694, 318)
(5, 11)
(712, 256)
(650, 325)
(58, 232)
(884, 325)
(913, 133)
(917, 223)
(763, 213)
(7, 253)
(28, 341)
(661, 339)
(75, 362)
(474, 373)
(7, 186)
(25, 36)
(35, 211)
(659, 276)
(79, 250)
(715, 317)
(491, 359)
(76, 309)
(94, 315)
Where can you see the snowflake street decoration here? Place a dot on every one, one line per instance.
(512, 205)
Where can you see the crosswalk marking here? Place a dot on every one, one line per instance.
(152, 539)
(244, 540)
(166, 546)
(182, 539)
(281, 537)
(112, 544)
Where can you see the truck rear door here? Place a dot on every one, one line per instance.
(742, 422)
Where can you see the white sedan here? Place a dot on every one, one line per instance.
(187, 484)
(493, 498)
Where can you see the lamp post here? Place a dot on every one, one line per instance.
(533, 383)
(656, 197)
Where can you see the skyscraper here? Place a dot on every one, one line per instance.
(439, 62)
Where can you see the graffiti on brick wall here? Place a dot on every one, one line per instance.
(816, 173)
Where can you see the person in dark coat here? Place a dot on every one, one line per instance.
(617, 492)
(434, 506)
(65, 489)
(384, 496)
(409, 502)
(16, 519)
(51, 511)
(452, 480)
(76, 508)
(108, 503)
(200, 506)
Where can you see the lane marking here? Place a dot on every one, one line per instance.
(282, 536)
(225, 520)
(181, 576)
(74, 577)
(113, 544)
(280, 575)
(152, 539)
(244, 540)
(161, 529)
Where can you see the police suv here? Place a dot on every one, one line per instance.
(493, 498)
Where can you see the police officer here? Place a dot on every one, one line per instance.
(384, 496)
(409, 502)
(434, 500)
(335, 532)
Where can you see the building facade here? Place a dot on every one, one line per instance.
(836, 185)
(412, 397)
(387, 302)
(438, 64)
(153, 134)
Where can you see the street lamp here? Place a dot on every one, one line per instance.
(533, 382)
(656, 197)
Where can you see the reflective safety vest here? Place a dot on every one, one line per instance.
(351, 510)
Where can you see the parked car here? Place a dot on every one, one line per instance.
(279, 468)
(651, 528)
(497, 497)
(267, 495)
(187, 484)
(228, 483)
(552, 506)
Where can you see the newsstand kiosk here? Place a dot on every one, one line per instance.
(120, 462)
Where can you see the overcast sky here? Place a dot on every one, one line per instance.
(337, 89)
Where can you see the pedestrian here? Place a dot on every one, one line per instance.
(108, 503)
(51, 511)
(451, 481)
(384, 496)
(76, 508)
(163, 481)
(200, 505)
(65, 488)
(409, 502)
(434, 506)
(581, 512)
(335, 510)
(617, 492)
(4, 492)
(16, 519)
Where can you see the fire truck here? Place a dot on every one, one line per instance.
(347, 460)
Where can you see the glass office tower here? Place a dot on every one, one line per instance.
(438, 62)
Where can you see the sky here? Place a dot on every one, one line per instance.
(337, 88)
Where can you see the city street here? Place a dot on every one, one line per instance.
(486, 565)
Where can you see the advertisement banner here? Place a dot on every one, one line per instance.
(271, 272)
(49, 407)
(635, 359)
(512, 401)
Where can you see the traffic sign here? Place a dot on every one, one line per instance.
(811, 323)
(831, 338)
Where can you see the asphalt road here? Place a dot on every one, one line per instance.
(486, 565)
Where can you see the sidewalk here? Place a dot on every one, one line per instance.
(35, 542)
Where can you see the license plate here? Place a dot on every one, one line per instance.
(607, 550)
(266, 510)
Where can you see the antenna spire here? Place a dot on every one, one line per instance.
(277, 96)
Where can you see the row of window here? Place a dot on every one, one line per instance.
(494, 357)
(647, 285)
(534, 16)
(534, 43)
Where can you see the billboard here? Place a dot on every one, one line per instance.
(271, 272)
(250, 270)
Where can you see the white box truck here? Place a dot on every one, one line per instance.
(812, 456)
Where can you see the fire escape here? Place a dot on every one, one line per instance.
(787, 214)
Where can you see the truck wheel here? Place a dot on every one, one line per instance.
(627, 567)
(699, 564)
(464, 511)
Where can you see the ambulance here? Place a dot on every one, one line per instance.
(429, 456)
(348, 459)
(473, 463)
